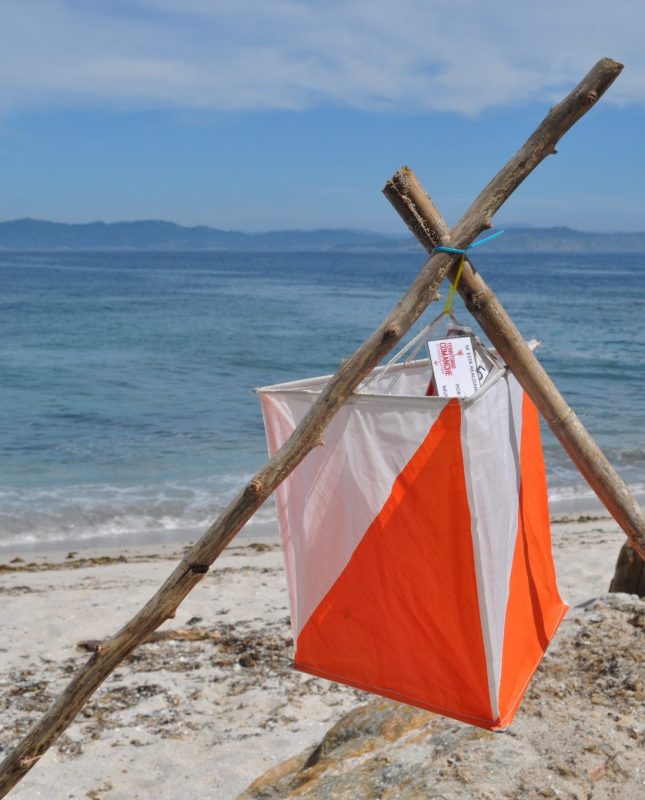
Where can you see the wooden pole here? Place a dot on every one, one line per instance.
(416, 208)
(308, 434)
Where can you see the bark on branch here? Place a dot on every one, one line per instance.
(192, 568)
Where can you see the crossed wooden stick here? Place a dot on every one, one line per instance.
(417, 209)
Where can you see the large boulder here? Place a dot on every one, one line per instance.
(579, 732)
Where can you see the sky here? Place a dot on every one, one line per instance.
(263, 114)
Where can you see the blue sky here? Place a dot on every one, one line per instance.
(257, 115)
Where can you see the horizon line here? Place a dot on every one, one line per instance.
(365, 231)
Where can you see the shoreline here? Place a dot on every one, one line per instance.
(599, 531)
(563, 507)
(151, 539)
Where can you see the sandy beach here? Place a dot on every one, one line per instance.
(206, 718)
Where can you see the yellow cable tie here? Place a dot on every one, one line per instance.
(453, 286)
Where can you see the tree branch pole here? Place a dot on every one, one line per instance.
(418, 211)
(308, 433)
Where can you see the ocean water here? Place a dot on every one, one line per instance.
(126, 404)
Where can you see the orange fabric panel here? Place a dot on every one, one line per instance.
(402, 619)
(535, 608)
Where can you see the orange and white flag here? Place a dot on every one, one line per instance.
(417, 543)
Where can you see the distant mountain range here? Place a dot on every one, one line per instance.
(154, 235)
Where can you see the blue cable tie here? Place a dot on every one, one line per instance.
(470, 246)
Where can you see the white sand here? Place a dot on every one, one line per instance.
(186, 719)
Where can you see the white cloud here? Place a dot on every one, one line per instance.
(445, 55)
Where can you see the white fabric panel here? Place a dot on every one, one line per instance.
(409, 380)
(332, 497)
(402, 380)
(490, 434)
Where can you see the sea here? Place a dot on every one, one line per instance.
(127, 411)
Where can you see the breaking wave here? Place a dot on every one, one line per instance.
(78, 513)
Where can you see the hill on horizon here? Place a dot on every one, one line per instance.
(157, 235)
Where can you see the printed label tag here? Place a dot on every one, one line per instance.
(454, 366)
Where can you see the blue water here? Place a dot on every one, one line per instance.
(126, 405)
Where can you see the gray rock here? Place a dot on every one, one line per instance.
(579, 732)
